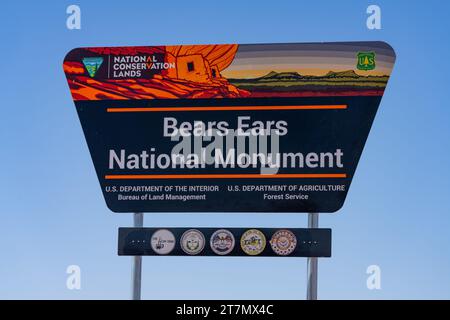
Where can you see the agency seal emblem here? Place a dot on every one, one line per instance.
(253, 242)
(222, 242)
(192, 242)
(283, 242)
(163, 241)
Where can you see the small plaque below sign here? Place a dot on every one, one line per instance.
(220, 242)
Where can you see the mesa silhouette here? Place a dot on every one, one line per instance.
(294, 84)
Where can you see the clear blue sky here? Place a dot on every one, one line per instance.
(52, 213)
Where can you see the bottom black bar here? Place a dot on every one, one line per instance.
(249, 242)
(233, 309)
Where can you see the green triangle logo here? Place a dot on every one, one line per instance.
(92, 65)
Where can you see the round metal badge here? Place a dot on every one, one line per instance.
(253, 242)
(222, 242)
(192, 241)
(283, 242)
(163, 241)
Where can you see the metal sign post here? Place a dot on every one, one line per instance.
(312, 263)
(138, 222)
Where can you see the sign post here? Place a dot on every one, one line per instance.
(138, 222)
(312, 263)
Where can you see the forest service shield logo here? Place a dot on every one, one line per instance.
(366, 61)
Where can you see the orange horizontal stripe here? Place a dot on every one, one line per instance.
(222, 176)
(230, 108)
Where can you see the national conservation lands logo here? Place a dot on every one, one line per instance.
(163, 241)
(222, 242)
(192, 242)
(92, 65)
(137, 66)
(283, 242)
(253, 242)
(128, 66)
(366, 61)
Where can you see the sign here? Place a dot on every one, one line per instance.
(247, 242)
(228, 128)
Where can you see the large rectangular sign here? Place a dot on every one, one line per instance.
(228, 128)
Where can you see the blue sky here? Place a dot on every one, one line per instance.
(53, 214)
